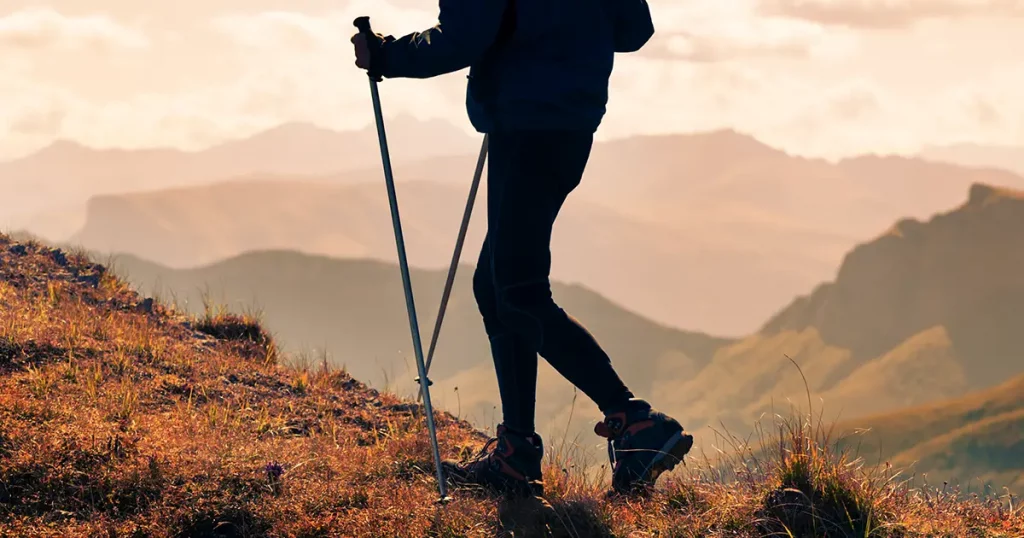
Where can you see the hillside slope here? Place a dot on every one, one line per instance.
(977, 438)
(960, 270)
(925, 312)
(355, 311)
(121, 418)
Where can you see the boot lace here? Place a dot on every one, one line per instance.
(610, 429)
(484, 453)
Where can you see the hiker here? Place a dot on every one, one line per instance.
(538, 86)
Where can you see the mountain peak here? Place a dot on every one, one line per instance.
(292, 128)
(959, 270)
(63, 146)
(729, 137)
(981, 194)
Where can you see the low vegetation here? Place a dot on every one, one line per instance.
(122, 417)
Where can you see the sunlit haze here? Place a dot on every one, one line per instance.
(826, 78)
(782, 283)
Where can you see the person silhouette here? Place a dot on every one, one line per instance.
(539, 74)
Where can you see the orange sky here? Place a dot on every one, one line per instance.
(815, 77)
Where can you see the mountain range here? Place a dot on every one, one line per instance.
(46, 191)
(710, 231)
(978, 156)
(641, 265)
(925, 311)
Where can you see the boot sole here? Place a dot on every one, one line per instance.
(502, 486)
(677, 447)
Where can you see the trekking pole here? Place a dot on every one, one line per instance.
(363, 24)
(458, 253)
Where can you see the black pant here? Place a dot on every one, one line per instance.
(529, 175)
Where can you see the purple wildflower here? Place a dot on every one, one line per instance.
(274, 470)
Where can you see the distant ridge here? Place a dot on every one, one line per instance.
(66, 173)
(974, 440)
(926, 311)
(979, 155)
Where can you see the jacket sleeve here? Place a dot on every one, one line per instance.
(465, 30)
(631, 20)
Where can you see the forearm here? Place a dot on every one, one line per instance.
(465, 29)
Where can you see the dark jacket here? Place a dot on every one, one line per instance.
(534, 64)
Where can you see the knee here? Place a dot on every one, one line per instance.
(486, 300)
(483, 288)
(525, 309)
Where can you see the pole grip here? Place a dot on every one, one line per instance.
(363, 25)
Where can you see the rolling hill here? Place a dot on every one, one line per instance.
(974, 440)
(355, 311)
(634, 263)
(927, 311)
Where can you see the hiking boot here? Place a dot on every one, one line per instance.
(642, 444)
(511, 467)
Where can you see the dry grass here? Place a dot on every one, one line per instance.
(120, 417)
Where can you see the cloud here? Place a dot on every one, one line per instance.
(800, 84)
(235, 75)
(305, 31)
(43, 121)
(703, 47)
(886, 13)
(808, 112)
(276, 29)
(706, 32)
(304, 64)
(44, 28)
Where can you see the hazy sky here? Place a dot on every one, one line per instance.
(812, 76)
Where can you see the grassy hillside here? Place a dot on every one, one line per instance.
(120, 417)
(355, 311)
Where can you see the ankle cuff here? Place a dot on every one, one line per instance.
(518, 431)
(633, 405)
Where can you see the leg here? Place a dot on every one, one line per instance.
(513, 466)
(529, 176)
(515, 362)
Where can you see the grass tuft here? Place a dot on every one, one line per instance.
(244, 333)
